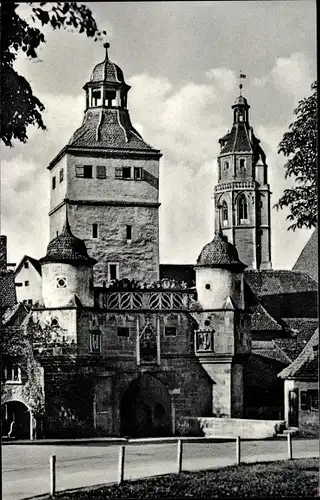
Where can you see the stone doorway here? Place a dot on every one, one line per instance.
(16, 420)
(146, 409)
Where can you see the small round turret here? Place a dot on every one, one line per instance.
(67, 271)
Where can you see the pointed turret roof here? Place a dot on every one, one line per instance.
(220, 253)
(67, 248)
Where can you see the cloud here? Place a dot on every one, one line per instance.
(290, 75)
(224, 78)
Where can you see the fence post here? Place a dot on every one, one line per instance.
(122, 451)
(53, 475)
(238, 450)
(289, 441)
(179, 456)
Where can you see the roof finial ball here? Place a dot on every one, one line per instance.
(106, 46)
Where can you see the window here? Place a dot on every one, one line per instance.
(123, 331)
(53, 182)
(123, 173)
(30, 302)
(126, 172)
(242, 209)
(113, 271)
(129, 232)
(309, 400)
(11, 373)
(61, 175)
(224, 213)
(26, 283)
(19, 284)
(226, 165)
(84, 171)
(242, 164)
(61, 283)
(170, 331)
(101, 172)
(138, 173)
(94, 230)
(26, 264)
(95, 341)
(208, 286)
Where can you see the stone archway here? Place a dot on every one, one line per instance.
(146, 408)
(20, 415)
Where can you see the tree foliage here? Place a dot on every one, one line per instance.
(20, 108)
(300, 144)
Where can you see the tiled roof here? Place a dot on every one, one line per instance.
(7, 289)
(107, 71)
(302, 330)
(67, 248)
(237, 140)
(219, 253)
(305, 366)
(261, 320)
(270, 350)
(308, 259)
(271, 282)
(108, 129)
(15, 314)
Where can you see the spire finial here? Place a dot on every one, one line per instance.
(241, 75)
(66, 227)
(106, 46)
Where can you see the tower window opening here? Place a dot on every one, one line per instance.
(101, 172)
(94, 230)
(84, 171)
(113, 271)
(207, 286)
(242, 210)
(126, 173)
(226, 165)
(53, 182)
(123, 331)
(138, 173)
(224, 214)
(61, 175)
(129, 232)
(242, 164)
(110, 98)
(96, 97)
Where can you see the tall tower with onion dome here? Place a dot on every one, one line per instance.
(242, 195)
(108, 177)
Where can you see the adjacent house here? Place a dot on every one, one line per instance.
(28, 280)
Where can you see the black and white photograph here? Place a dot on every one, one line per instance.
(159, 250)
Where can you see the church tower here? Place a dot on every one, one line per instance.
(242, 195)
(107, 177)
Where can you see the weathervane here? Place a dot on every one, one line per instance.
(241, 75)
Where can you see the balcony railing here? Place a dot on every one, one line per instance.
(234, 185)
(151, 300)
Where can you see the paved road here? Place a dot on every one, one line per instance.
(25, 469)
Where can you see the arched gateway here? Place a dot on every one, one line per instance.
(16, 420)
(146, 408)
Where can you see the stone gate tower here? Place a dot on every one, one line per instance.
(242, 195)
(108, 177)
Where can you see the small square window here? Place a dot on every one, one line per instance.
(170, 331)
(123, 331)
(129, 232)
(30, 302)
(61, 175)
(126, 172)
(19, 284)
(118, 173)
(61, 283)
(94, 230)
(53, 182)
(101, 172)
(26, 283)
(138, 173)
(87, 171)
(26, 264)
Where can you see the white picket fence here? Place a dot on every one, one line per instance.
(181, 441)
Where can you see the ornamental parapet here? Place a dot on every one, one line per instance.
(234, 185)
(153, 300)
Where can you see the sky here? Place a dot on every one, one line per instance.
(182, 60)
